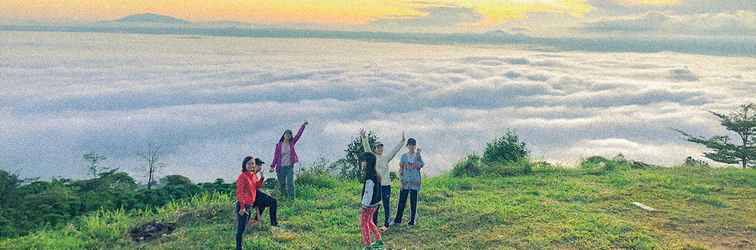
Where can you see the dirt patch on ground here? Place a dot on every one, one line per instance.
(740, 241)
(151, 231)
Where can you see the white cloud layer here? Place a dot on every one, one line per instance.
(211, 100)
(729, 23)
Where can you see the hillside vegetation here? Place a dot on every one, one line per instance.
(519, 205)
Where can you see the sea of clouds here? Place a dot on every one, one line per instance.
(209, 101)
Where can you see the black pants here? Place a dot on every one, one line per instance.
(241, 224)
(386, 198)
(403, 203)
(263, 200)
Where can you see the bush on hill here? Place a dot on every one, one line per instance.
(471, 166)
(507, 148)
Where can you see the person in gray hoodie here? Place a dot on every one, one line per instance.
(409, 174)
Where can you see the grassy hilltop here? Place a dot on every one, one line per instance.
(588, 207)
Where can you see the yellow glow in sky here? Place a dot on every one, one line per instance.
(322, 12)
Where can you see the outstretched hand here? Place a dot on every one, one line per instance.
(362, 132)
(404, 138)
(306, 123)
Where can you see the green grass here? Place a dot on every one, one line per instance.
(700, 208)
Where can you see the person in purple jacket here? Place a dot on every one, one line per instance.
(284, 159)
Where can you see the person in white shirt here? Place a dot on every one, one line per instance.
(382, 166)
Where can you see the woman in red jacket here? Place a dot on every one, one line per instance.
(246, 185)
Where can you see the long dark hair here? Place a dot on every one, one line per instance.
(284, 135)
(245, 161)
(370, 172)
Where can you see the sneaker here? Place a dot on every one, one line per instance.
(378, 244)
(383, 228)
(412, 223)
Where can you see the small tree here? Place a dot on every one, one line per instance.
(741, 122)
(151, 157)
(93, 163)
(506, 148)
(321, 166)
(9, 184)
(349, 165)
(175, 180)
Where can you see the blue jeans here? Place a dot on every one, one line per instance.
(386, 198)
(285, 176)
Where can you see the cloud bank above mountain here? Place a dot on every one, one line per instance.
(724, 23)
(211, 100)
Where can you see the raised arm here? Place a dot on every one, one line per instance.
(299, 133)
(365, 141)
(396, 149)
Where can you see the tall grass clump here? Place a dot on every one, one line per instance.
(207, 204)
(318, 175)
(106, 225)
(319, 180)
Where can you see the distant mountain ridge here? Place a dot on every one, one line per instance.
(152, 18)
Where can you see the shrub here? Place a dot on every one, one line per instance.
(692, 162)
(509, 168)
(601, 165)
(505, 148)
(470, 166)
(597, 165)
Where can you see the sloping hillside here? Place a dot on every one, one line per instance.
(698, 208)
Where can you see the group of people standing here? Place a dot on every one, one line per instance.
(376, 190)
